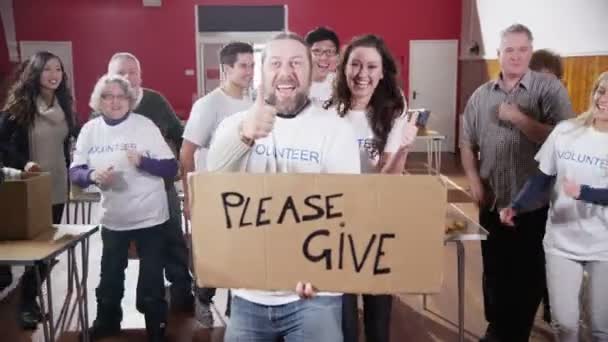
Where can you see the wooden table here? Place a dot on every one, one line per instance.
(42, 251)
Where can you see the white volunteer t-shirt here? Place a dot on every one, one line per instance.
(311, 142)
(321, 91)
(365, 137)
(576, 229)
(135, 199)
(206, 114)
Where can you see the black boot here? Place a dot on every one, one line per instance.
(156, 330)
(30, 314)
(101, 330)
(182, 300)
(29, 310)
(490, 335)
(107, 322)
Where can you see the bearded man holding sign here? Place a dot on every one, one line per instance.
(283, 119)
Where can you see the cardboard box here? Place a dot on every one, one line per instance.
(345, 233)
(25, 205)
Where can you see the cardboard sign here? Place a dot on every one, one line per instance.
(343, 233)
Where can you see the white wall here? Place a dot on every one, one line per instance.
(569, 27)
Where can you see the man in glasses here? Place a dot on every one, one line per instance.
(324, 45)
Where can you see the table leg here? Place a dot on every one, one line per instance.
(68, 204)
(49, 297)
(429, 155)
(89, 213)
(65, 314)
(83, 212)
(439, 146)
(84, 327)
(461, 255)
(424, 302)
(85, 273)
(186, 221)
(70, 285)
(76, 207)
(43, 311)
(434, 155)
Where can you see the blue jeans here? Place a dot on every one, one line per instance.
(311, 320)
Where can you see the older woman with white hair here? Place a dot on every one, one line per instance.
(125, 155)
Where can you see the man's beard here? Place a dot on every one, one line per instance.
(289, 107)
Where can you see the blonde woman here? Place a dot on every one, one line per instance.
(573, 165)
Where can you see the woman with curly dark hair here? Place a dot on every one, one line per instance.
(36, 123)
(367, 94)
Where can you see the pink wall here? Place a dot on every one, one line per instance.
(164, 38)
(5, 64)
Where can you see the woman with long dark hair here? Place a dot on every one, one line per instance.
(36, 124)
(367, 94)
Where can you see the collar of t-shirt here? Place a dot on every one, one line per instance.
(225, 93)
(114, 122)
(298, 111)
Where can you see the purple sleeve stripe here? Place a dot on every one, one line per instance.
(164, 168)
(80, 175)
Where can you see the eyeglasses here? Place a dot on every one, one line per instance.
(319, 52)
(112, 97)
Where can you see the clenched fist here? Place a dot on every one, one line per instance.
(32, 167)
(507, 215)
(103, 177)
(509, 112)
(571, 188)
